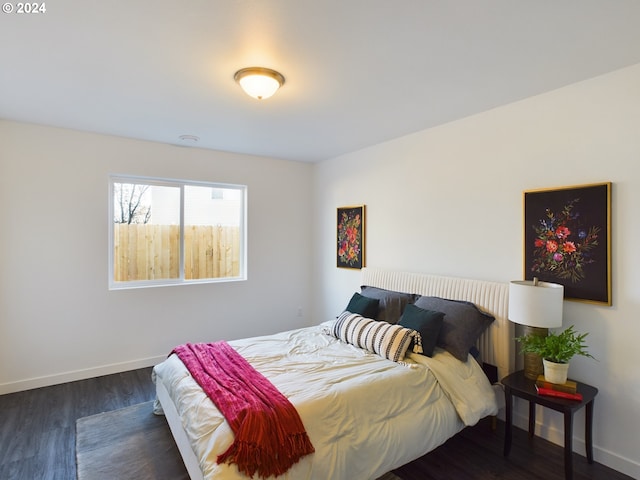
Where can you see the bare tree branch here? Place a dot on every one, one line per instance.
(129, 198)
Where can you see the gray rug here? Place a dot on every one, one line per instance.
(131, 444)
(127, 444)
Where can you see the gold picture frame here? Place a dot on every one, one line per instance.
(350, 251)
(567, 240)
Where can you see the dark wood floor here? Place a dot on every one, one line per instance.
(37, 438)
(476, 454)
(38, 430)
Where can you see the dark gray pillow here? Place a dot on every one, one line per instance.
(391, 303)
(367, 307)
(463, 324)
(426, 322)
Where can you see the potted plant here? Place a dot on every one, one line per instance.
(556, 350)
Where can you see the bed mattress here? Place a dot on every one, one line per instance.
(364, 414)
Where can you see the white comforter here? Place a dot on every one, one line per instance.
(365, 415)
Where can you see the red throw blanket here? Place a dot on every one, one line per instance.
(269, 434)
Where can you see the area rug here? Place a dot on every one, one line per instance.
(127, 444)
(131, 444)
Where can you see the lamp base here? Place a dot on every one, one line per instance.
(532, 361)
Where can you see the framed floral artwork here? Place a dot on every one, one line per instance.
(567, 240)
(350, 237)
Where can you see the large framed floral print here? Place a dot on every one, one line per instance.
(350, 237)
(567, 240)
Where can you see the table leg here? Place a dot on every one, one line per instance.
(532, 419)
(508, 418)
(568, 445)
(588, 434)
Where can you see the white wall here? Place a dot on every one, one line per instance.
(59, 321)
(448, 200)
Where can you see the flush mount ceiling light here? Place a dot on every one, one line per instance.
(259, 82)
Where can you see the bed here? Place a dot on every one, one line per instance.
(364, 414)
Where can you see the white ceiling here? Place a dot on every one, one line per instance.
(358, 72)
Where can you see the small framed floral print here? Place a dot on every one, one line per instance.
(567, 240)
(350, 237)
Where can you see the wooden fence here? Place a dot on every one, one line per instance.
(152, 252)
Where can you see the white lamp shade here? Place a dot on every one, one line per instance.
(536, 305)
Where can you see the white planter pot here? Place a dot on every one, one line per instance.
(555, 372)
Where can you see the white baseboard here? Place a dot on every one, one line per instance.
(600, 455)
(72, 376)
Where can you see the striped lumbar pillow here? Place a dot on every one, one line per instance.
(387, 340)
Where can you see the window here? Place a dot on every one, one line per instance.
(168, 232)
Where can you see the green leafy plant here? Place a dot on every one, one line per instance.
(558, 348)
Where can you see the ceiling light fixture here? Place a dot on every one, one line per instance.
(259, 82)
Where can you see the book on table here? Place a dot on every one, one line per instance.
(569, 386)
(547, 392)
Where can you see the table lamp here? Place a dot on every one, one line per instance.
(538, 306)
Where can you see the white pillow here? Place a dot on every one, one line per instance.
(387, 340)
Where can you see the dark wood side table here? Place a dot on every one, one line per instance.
(518, 385)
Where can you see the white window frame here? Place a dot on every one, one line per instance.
(181, 184)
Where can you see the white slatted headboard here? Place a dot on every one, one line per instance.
(496, 345)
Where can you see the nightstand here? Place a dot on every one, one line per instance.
(518, 385)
